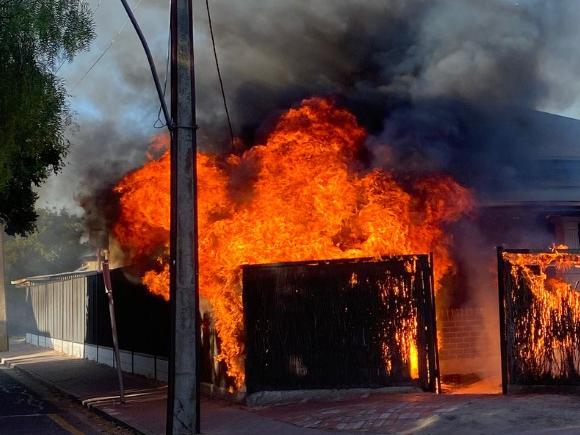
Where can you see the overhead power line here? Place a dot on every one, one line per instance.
(160, 92)
(64, 58)
(217, 65)
(159, 122)
(107, 48)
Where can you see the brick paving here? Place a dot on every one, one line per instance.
(383, 413)
(429, 413)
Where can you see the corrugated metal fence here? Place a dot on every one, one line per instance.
(59, 308)
(73, 307)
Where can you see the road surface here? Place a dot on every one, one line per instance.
(28, 407)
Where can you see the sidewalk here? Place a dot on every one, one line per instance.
(95, 385)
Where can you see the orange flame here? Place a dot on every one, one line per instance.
(551, 346)
(414, 360)
(301, 195)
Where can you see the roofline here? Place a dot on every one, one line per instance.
(25, 282)
(535, 204)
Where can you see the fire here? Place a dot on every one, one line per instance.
(545, 325)
(414, 360)
(301, 195)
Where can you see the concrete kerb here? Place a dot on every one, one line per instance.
(112, 418)
(70, 395)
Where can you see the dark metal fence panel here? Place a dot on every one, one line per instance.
(142, 318)
(339, 324)
(75, 308)
(430, 375)
(539, 318)
(98, 321)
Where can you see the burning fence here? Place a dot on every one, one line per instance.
(340, 324)
(304, 194)
(540, 317)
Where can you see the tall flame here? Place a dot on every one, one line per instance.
(301, 195)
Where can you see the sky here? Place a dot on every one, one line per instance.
(274, 52)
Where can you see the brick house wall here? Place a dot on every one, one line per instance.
(460, 333)
(467, 344)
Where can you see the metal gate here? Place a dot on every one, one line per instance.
(539, 318)
(340, 324)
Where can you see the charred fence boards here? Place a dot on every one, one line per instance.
(539, 306)
(339, 324)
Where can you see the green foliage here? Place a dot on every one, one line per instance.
(54, 247)
(35, 36)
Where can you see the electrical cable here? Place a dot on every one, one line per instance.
(159, 122)
(151, 62)
(60, 66)
(64, 59)
(106, 49)
(219, 74)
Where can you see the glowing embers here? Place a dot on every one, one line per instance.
(542, 317)
(340, 324)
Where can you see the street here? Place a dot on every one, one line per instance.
(28, 407)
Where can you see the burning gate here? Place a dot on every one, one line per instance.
(305, 193)
(340, 324)
(539, 318)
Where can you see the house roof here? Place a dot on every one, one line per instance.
(517, 155)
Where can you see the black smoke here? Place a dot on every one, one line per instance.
(441, 85)
(424, 77)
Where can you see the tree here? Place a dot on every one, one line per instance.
(36, 36)
(55, 246)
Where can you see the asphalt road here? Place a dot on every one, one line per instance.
(28, 407)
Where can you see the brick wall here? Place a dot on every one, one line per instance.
(460, 333)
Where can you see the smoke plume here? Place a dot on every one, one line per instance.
(440, 85)
(424, 77)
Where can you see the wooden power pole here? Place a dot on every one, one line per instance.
(183, 398)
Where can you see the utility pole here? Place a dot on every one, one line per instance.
(184, 367)
(183, 399)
